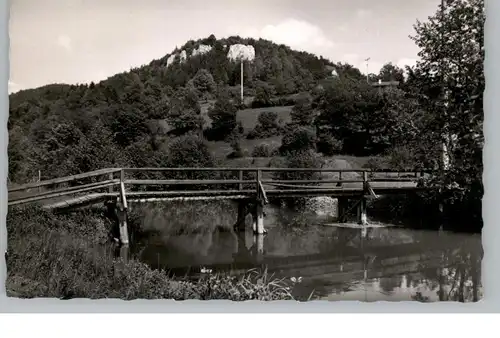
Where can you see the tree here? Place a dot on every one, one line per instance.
(303, 113)
(354, 112)
(263, 95)
(390, 72)
(450, 83)
(267, 125)
(189, 151)
(223, 116)
(298, 139)
(184, 113)
(204, 81)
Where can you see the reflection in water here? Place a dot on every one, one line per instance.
(337, 263)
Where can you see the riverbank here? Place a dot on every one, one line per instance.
(60, 256)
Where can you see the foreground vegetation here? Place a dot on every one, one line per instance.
(59, 256)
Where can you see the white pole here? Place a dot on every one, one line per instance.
(241, 79)
(367, 73)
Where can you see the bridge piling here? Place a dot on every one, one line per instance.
(259, 219)
(121, 212)
(362, 215)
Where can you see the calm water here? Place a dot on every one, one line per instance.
(335, 262)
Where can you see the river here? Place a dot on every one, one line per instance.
(331, 261)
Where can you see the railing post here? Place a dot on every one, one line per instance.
(122, 176)
(339, 184)
(259, 177)
(240, 177)
(122, 211)
(258, 221)
(110, 177)
(365, 181)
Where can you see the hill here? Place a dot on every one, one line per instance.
(73, 128)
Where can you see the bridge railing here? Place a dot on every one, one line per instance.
(192, 181)
(63, 187)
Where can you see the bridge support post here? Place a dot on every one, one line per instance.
(122, 223)
(258, 247)
(258, 219)
(362, 215)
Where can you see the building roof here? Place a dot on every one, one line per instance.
(385, 83)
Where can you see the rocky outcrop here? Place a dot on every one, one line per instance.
(236, 52)
(241, 52)
(202, 49)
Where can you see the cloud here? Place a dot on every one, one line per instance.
(65, 42)
(363, 13)
(406, 62)
(297, 34)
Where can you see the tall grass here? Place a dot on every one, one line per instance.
(59, 256)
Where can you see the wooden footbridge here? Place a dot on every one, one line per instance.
(251, 187)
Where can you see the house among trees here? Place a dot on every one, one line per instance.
(385, 85)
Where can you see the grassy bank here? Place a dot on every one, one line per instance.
(70, 257)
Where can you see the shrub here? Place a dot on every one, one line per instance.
(300, 159)
(223, 116)
(376, 163)
(264, 150)
(401, 158)
(268, 125)
(329, 145)
(298, 139)
(188, 151)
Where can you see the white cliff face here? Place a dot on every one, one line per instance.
(241, 52)
(202, 49)
(236, 52)
(183, 56)
(170, 59)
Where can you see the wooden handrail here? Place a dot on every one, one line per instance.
(70, 190)
(276, 169)
(64, 179)
(53, 195)
(186, 182)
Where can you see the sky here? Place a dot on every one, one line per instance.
(79, 41)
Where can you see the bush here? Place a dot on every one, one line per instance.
(298, 139)
(376, 163)
(300, 159)
(223, 116)
(189, 151)
(329, 145)
(401, 158)
(237, 152)
(264, 150)
(268, 125)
